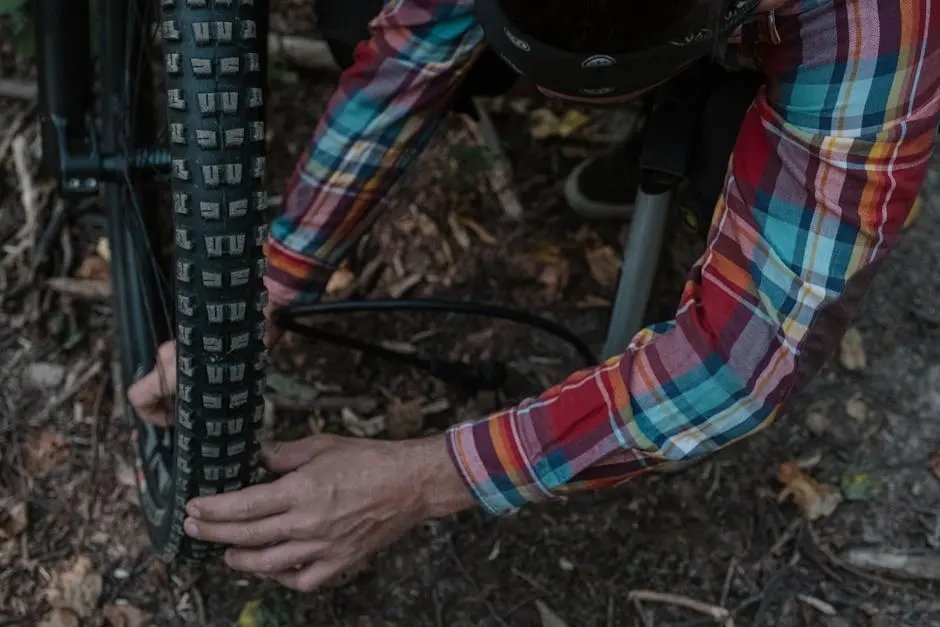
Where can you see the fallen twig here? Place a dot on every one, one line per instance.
(18, 88)
(641, 612)
(840, 563)
(817, 604)
(28, 193)
(899, 564)
(719, 614)
(13, 131)
(499, 171)
(88, 289)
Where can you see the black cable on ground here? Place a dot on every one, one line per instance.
(473, 377)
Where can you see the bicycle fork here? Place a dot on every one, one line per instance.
(668, 139)
(70, 145)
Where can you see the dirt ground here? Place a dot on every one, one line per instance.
(870, 428)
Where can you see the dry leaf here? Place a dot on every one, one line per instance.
(935, 464)
(852, 353)
(571, 121)
(548, 617)
(816, 500)
(363, 428)
(543, 124)
(485, 236)
(340, 280)
(124, 615)
(77, 589)
(404, 420)
(605, 266)
(93, 268)
(12, 518)
(44, 450)
(60, 618)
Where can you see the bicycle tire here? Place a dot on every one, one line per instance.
(214, 60)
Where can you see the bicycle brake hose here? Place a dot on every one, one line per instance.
(474, 378)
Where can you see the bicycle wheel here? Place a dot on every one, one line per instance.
(214, 77)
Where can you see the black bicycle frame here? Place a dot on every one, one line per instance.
(70, 140)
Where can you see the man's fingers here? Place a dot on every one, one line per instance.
(251, 534)
(310, 577)
(147, 395)
(274, 559)
(252, 503)
(282, 457)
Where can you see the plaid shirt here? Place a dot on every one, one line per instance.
(826, 168)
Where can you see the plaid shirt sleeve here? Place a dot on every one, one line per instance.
(826, 168)
(386, 107)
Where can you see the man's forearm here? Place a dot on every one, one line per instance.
(385, 109)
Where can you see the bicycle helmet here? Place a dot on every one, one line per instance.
(601, 75)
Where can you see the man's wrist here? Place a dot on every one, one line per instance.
(442, 488)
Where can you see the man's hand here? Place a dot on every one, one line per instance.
(152, 395)
(342, 500)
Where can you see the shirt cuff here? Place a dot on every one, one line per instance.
(293, 278)
(492, 465)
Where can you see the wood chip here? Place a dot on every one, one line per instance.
(45, 376)
(12, 518)
(852, 352)
(856, 408)
(400, 288)
(458, 231)
(360, 427)
(125, 615)
(548, 617)
(44, 450)
(817, 420)
(817, 604)
(485, 236)
(340, 280)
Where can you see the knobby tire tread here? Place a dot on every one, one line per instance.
(215, 110)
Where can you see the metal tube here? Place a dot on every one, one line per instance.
(640, 259)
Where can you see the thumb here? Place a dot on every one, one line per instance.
(282, 457)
